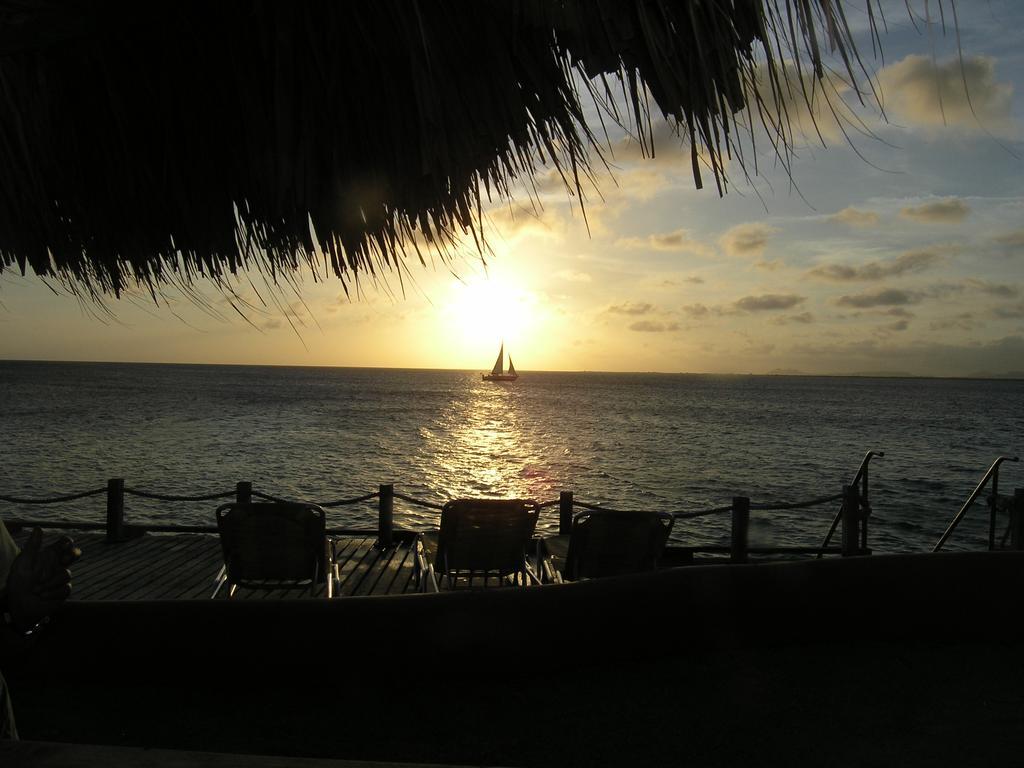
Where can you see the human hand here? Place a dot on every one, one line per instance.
(39, 579)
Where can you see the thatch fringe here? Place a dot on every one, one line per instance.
(156, 143)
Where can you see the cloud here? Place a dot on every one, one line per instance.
(668, 145)
(638, 184)
(999, 290)
(941, 359)
(962, 322)
(948, 211)
(696, 310)
(1009, 311)
(1012, 240)
(884, 298)
(769, 302)
(853, 217)
(512, 221)
(911, 261)
(653, 326)
(898, 312)
(678, 240)
(629, 308)
(923, 93)
(573, 276)
(814, 121)
(804, 318)
(695, 279)
(746, 239)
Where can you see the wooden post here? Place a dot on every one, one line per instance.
(386, 516)
(564, 513)
(851, 521)
(243, 493)
(1017, 520)
(740, 526)
(115, 510)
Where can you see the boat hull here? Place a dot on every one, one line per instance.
(498, 377)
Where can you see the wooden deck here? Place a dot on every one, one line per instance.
(183, 566)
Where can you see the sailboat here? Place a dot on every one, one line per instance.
(497, 372)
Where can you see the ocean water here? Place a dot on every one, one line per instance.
(632, 441)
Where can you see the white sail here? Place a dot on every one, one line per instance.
(500, 362)
(511, 368)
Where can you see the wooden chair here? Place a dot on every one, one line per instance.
(274, 546)
(479, 539)
(606, 543)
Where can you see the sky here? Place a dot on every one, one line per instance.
(893, 243)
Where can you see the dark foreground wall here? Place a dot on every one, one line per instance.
(876, 661)
(942, 597)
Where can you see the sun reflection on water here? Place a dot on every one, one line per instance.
(479, 447)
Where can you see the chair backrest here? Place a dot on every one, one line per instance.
(607, 543)
(276, 542)
(485, 535)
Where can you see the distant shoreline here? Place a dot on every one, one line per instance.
(1011, 376)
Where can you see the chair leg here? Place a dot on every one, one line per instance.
(219, 582)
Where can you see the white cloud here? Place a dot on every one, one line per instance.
(746, 239)
(924, 93)
(854, 217)
(947, 211)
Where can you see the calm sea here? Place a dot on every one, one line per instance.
(638, 441)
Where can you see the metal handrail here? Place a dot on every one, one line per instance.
(993, 474)
(862, 478)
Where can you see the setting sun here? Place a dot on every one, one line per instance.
(483, 311)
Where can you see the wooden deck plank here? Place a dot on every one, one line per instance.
(163, 557)
(354, 556)
(175, 564)
(391, 571)
(136, 562)
(376, 571)
(369, 556)
(199, 574)
(116, 564)
(183, 567)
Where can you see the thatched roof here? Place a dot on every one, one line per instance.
(155, 142)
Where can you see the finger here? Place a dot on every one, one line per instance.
(65, 551)
(56, 594)
(35, 540)
(54, 580)
(70, 555)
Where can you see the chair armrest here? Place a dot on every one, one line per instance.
(546, 567)
(425, 571)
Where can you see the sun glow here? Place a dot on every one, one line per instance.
(482, 312)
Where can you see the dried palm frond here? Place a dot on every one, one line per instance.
(155, 143)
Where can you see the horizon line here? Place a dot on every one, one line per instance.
(985, 376)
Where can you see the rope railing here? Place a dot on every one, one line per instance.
(118, 528)
(676, 515)
(701, 513)
(346, 502)
(679, 515)
(54, 499)
(175, 497)
(797, 504)
(419, 502)
(268, 497)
